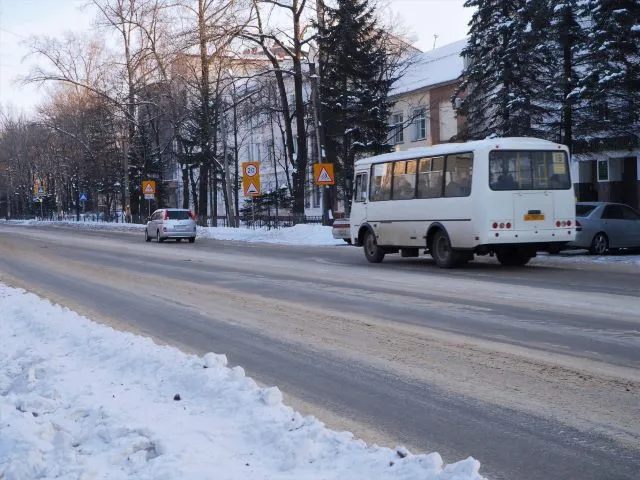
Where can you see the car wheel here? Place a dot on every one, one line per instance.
(158, 239)
(147, 238)
(599, 244)
(441, 251)
(192, 239)
(372, 251)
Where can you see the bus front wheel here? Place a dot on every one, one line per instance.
(372, 250)
(441, 251)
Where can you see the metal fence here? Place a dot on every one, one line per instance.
(270, 221)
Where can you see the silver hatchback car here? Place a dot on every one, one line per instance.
(177, 223)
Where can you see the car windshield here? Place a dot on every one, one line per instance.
(584, 210)
(178, 214)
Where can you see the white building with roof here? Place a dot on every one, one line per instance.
(422, 112)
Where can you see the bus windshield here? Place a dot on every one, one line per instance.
(528, 170)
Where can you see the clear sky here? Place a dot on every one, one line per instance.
(425, 19)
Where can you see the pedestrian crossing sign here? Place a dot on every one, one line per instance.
(149, 187)
(323, 174)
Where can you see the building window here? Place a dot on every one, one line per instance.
(419, 124)
(603, 170)
(253, 149)
(396, 128)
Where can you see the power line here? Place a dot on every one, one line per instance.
(12, 33)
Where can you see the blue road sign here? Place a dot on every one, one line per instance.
(83, 197)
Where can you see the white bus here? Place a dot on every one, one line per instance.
(509, 196)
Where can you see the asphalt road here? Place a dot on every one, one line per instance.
(534, 371)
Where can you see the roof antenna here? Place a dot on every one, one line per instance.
(435, 37)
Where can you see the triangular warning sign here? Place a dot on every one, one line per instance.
(252, 189)
(149, 188)
(324, 176)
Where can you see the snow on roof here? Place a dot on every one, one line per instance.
(436, 66)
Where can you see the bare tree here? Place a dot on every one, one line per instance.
(217, 23)
(285, 49)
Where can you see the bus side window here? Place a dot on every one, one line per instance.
(459, 171)
(381, 174)
(361, 188)
(430, 177)
(365, 188)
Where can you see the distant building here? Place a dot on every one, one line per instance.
(422, 112)
(610, 175)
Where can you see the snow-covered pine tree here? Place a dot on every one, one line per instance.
(568, 35)
(355, 82)
(612, 85)
(507, 67)
(530, 108)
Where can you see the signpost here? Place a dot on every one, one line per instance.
(149, 191)
(323, 176)
(251, 179)
(39, 191)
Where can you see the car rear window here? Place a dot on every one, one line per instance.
(178, 214)
(584, 210)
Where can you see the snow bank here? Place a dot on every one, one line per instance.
(296, 235)
(581, 256)
(80, 400)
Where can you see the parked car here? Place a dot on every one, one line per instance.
(340, 229)
(603, 226)
(177, 223)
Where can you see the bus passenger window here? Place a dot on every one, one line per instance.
(381, 175)
(459, 170)
(360, 192)
(430, 177)
(404, 177)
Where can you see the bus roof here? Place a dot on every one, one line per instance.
(506, 143)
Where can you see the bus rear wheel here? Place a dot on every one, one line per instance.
(373, 252)
(441, 251)
(513, 257)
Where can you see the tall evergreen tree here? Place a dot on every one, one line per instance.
(355, 81)
(568, 39)
(508, 66)
(612, 85)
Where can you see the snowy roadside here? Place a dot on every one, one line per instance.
(317, 235)
(81, 400)
(296, 235)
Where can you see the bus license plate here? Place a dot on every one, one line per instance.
(533, 217)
